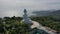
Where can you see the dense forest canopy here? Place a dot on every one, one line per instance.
(13, 25)
(49, 21)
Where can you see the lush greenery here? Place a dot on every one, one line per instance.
(49, 21)
(12, 25)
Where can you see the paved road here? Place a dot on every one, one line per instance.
(39, 26)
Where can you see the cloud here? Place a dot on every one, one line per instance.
(11, 7)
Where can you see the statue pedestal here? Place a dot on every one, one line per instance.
(27, 21)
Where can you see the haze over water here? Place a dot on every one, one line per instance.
(16, 7)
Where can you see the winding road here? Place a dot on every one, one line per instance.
(39, 26)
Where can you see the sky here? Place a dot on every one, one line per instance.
(16, 7)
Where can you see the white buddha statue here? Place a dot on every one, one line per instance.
(25, 18)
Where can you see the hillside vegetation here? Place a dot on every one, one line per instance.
(49, 21)
(12, 25)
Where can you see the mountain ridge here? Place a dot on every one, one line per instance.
(47, 13)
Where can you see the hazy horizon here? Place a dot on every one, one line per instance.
(16, 7)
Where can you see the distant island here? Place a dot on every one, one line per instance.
(47, 13)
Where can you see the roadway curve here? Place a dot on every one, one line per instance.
(39, 26)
